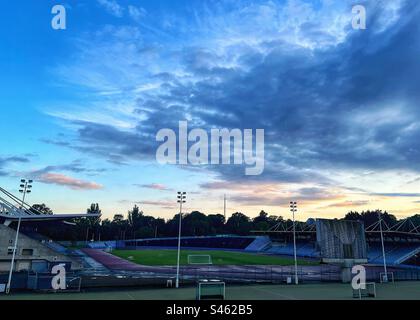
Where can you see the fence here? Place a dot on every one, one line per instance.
(259, 274)
(43, 282)
(192, 274)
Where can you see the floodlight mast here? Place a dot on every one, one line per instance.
(293, 209)
(385, 278)
(182, 196)
(25, 188)
(224, 207)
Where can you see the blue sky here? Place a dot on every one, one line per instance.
(81, 107)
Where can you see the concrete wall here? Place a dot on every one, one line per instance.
(24, 258)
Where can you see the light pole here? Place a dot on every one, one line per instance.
(182, 196)
(25, 187)
(385, 278)
(293, 209)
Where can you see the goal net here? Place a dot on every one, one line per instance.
(199, 259)
(211, 290)
(368, 292)
(386, 277)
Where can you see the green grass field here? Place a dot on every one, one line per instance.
(169, 258)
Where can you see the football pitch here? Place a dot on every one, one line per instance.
(328, 291)
(169, 258)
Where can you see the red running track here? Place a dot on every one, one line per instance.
(110, 261)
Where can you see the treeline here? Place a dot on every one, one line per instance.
(138, 225)
(370, 217)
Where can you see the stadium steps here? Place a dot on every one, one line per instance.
(91, 263)
(103, 245)
(49, 243)
(394, 256)
(408, 256)
(306, 250)
(259, 244)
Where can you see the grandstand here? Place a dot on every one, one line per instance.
(303, 249)
(216, 242)
(402, 242)
(34, 252)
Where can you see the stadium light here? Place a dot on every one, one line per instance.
(293, 209)
(24, 189)
(182, 196)
(385, 278)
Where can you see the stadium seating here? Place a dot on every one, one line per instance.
(236, 243)
(47, 242)
(395, 253)
(259, 244)
(304, 249)
(102, 245)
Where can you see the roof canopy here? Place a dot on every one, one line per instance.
(12, 209)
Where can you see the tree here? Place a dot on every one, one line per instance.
(371, 217)
(216, 223)
(41, 209)
(239, 224)
(195, 224)
(135, 220)
(94, 208)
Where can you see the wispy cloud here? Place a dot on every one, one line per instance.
(348, 204)
(4, 161)
(112, 7)
(66, 181)
(397, 194)
(329, 97)
(136, 13)
(163, 204)
(154, 186)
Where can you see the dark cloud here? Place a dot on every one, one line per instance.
(76, 166)
(302, 195)
(351, 105)
(4, 161)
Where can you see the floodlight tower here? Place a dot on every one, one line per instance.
(224, 206)
(182, 196)
(25, 188)
(293, 209)
(385, 278)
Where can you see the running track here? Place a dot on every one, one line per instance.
(250, 273)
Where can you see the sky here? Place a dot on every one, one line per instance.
(81, 107)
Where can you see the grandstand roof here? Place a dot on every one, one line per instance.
(12, 209)
(405, 228)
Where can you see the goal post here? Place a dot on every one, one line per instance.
(211, 290)
(199, 259)
(386, 277)
(368, 292)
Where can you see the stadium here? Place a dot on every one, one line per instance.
(228, 266)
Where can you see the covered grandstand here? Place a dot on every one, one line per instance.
(401, 242)
(30, 251)
(217, 242)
